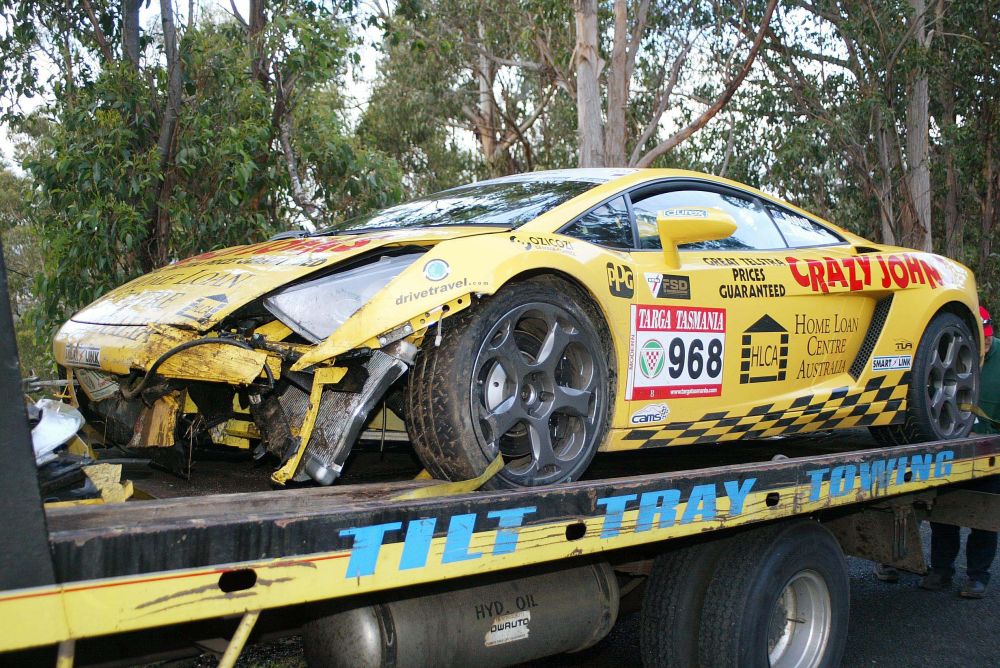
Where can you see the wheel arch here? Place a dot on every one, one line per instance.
(604, 322)
(968, 317)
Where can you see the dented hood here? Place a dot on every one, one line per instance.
(200, 291)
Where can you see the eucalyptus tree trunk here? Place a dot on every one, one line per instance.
(158, 241)
(588, 65)
(918, 173)
(618, 86)
(988, 207)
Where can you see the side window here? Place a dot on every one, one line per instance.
(799, 231)
(754, 229)
(607, 225)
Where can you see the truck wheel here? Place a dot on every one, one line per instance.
(779, 598)
(524, 374)
(945, 374)
(671, 607)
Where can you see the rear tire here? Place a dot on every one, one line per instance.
(779, 597)
(671, 606)
(944, 374)
(524, 373)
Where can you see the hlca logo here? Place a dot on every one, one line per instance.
(651, 359)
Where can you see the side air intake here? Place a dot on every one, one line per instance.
(871, 337)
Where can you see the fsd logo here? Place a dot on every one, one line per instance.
(621, 283)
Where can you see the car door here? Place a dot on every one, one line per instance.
(832, 300)
(711, 335)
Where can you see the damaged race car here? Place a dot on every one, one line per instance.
(539, 317)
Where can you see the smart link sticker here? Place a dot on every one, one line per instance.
(892, 363)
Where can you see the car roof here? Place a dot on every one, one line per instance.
(592, 175)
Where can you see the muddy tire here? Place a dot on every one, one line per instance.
(944, 375)
(525, 373)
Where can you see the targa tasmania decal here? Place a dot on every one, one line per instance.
(676, 352)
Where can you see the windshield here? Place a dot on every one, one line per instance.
(502, 202)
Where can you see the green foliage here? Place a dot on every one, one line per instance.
(99, 177)
(99, 196)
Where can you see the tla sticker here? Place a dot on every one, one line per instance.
(892, 363)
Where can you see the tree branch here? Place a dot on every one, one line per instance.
(638, 29)
(722, 100)
(661, 103)
(102, 41)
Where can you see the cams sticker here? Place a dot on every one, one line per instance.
(621, 281)
(77, 355)
(892, 363)
(676, 352)
(667, 286)
(651, 413)
(508, 628)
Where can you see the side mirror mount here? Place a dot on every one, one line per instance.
(687, 225)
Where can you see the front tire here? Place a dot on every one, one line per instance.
(944, 375)
(524, 374)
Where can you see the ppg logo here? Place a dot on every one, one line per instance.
(621, 283)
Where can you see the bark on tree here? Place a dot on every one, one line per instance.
(954, 225)
(158, 240)
(588, 65)
(887, 208)
(988, 209)
(130, 31)
(256, 22)
(618, 86)
(918, 173)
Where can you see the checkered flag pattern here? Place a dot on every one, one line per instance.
(881, 402)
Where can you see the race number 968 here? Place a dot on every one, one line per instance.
(676, 352)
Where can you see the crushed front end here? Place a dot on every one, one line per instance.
(207, 353)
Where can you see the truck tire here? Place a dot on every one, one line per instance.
(944, 374)
(671, 607)
(779, 597)
(526, 374)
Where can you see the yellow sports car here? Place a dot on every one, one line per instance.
(539, 317)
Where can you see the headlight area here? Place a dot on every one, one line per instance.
(315, 309)
(311, 421)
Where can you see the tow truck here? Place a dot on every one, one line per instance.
(733, 553)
